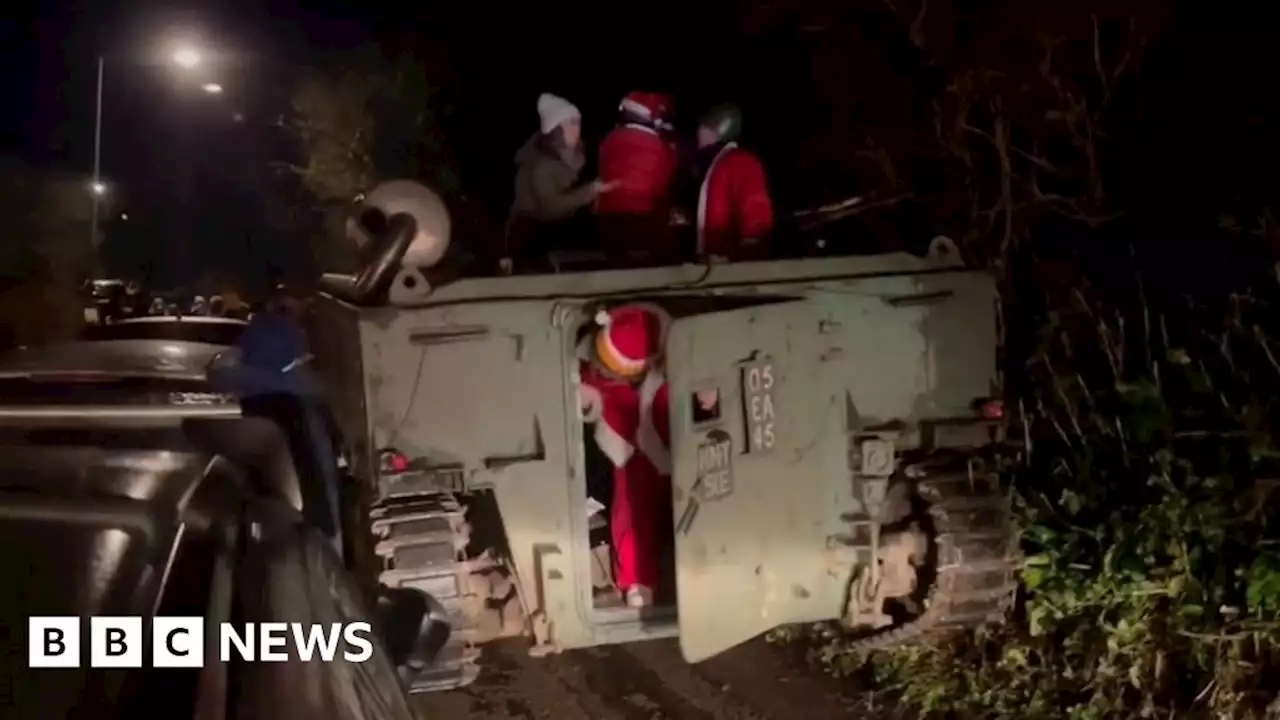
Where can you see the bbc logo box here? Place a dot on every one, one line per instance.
(177, 642)
(114, 642)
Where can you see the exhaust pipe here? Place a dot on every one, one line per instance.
(399, 224)
(380, 258)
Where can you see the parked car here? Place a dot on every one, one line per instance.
(128, 486)
(191, 328)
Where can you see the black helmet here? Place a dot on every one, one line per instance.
(725, 121)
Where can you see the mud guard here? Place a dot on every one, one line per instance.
(749, 539)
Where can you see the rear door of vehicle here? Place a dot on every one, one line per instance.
(748, 495)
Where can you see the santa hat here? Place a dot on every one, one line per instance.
(628, 338)
(554, 111)
(652, 108)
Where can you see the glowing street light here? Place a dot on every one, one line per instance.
(186, 58)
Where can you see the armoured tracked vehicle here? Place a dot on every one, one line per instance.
(848, 469)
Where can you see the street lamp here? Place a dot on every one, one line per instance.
(97, 187)
(186, 58)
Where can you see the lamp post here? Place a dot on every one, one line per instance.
(98, 188)
(186, 58)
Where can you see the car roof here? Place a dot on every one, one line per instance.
(209, 319)
(152, 358)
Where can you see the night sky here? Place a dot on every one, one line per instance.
(504, 65)
(167, 146)
(187, 163)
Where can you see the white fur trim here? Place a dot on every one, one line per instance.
(647, 438)
(590, 403)
(639, 596)
(614, 446)
(702, 195)
(594, 506)
(635, 108)
(641, 128)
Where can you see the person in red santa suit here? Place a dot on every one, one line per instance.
(624, 395)
(638, 157)
(735, 211)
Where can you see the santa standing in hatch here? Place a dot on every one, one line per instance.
(624, 395)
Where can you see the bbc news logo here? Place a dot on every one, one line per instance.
(179, 642)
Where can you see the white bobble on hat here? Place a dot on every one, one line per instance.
(603, 318)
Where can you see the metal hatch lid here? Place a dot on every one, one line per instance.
(748, 531)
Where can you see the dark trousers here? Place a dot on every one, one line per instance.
(637, 239)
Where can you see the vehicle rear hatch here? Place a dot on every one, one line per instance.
(748, 407)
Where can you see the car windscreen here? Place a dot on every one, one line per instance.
(214, 333)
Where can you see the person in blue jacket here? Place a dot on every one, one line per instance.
(274, 355)
(274, 360)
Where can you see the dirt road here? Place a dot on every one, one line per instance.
(646, 681)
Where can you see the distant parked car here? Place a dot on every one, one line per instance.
(186, 328)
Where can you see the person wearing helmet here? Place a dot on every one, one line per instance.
(624, 396)
(638, 156)
(548, 192)
(735, 211)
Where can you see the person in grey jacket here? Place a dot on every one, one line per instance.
(548, 193)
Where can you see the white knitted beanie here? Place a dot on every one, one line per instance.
(555, 111)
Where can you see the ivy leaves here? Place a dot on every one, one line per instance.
(1152, 570)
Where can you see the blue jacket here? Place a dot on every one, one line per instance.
(273, 359)
(273, 341)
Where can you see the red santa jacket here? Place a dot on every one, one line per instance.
(734, 205)
(630, 420)
(644, 165)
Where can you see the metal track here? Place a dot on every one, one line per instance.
(422, 539)
(976, 579)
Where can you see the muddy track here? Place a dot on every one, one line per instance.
(646, 681)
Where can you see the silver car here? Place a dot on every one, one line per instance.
(129, 487)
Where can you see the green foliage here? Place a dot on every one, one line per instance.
(335, 127)
(1151, 563)
(375, 119)
(1152, 569)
